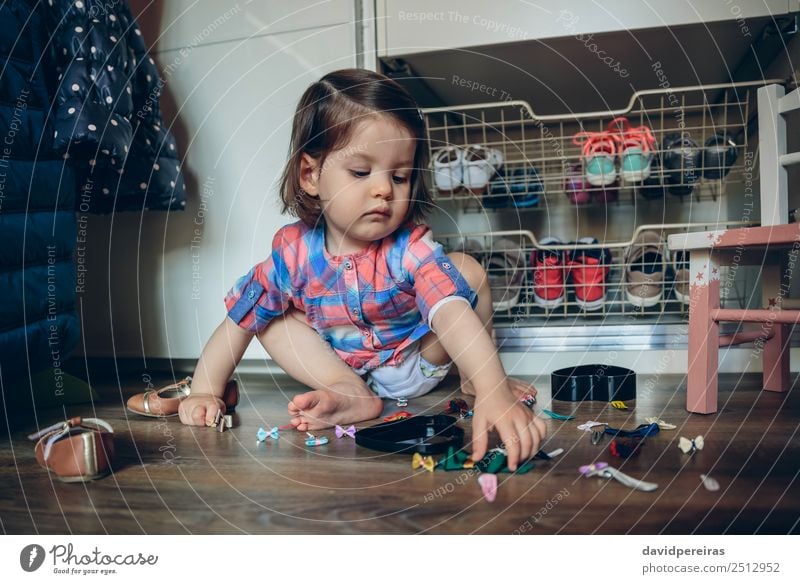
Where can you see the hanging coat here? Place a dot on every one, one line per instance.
(39, 326)
(107, 119)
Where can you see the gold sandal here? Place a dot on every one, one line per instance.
(164, 402)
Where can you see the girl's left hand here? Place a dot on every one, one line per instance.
(520, 430)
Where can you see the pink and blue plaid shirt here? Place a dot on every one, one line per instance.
(369, 306)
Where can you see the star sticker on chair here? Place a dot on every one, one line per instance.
(772, 302)
(699, 276)
(715, 271)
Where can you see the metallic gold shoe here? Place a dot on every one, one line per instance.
(164, 402)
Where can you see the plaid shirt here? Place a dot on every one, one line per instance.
(369, 306)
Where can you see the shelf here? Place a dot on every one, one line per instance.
(537, 164)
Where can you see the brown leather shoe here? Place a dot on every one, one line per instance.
(77, 450)
(164, 402)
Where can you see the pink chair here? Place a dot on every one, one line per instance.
(766, 246)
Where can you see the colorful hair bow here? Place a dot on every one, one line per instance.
(619, 405)
(689, 446)
(314, 441)
(528, 399)
(458, 406)
(342, 432)
(397, 417)
(556, 416)
(263, 434)
(419, 461)
(488, 483)
(661, 423)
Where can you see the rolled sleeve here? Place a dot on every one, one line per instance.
(260, 295)
(435, 279)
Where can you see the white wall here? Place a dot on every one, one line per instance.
(234, 73)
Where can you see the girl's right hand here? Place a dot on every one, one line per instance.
(200, 409)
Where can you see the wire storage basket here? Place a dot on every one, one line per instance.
(532, 279)
(503, 155)
(666, 163)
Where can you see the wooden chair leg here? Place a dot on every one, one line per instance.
(776, 359)
(702, 388)
(776, 349)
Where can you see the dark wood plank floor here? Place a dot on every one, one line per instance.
(175, 479)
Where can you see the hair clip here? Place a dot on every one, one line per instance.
(528, 399)
(314, 441)
(661, 423)
(556, 416)
(455, 459)
(619, 405)
(709, 483)
(597, 436)
(690, 446)
(458, 406)
(542, 455)
(221, 421)
(262, 434)
(397, 417)
(488, 483)
(420, 114)
(587, 426)
(419, 461)
(401, 403)
(342, 432)
(587, 468)
(625, 446)
(601, 469)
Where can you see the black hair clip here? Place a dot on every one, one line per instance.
(423, 434)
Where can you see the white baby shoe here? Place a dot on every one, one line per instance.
(480, 165)
(447, 168)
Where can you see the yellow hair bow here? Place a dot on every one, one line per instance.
(425, 462)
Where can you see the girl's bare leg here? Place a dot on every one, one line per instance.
(339, 395)
(475, 275)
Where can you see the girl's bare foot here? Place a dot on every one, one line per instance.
(518, 387)
(323, 408)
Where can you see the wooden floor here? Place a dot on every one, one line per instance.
(173, 479)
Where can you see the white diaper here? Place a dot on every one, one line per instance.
(414, 377)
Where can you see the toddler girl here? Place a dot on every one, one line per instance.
(356, 300)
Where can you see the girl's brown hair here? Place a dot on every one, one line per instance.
(325, 117)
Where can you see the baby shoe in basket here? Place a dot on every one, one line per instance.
(644, 270)
(505, 265)
(681, 161)
(680, 268)
(599, 150)
(636, 149)
(575, 186)
(480, 164)
(77, 450)
(448, 168)
(719, 155)
(588, 270)
(548, 274)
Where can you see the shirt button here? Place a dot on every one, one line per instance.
(356, 311)
(251, 294)
(445, 265)
(365, 332)
(348, 265)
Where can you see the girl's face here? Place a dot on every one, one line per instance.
(364, 188)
